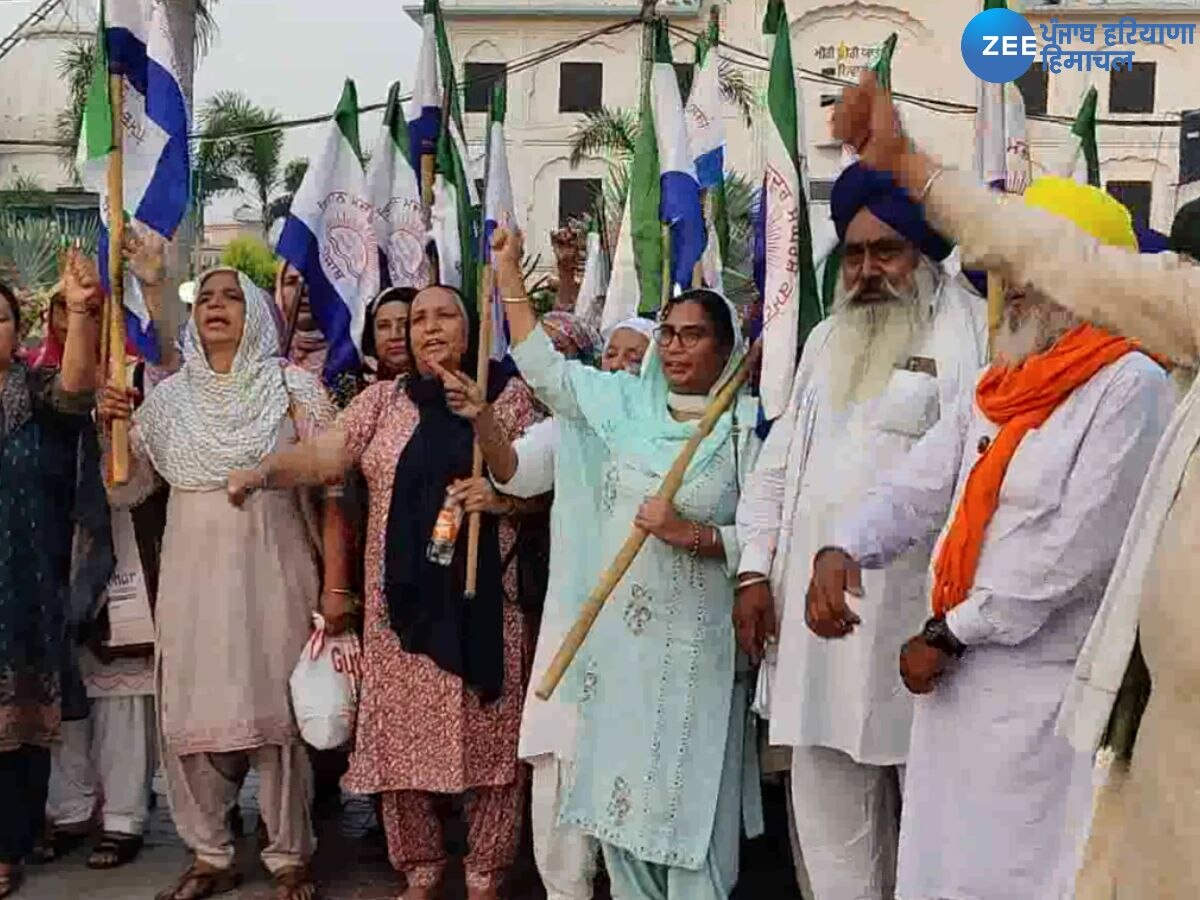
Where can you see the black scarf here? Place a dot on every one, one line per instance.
(425, 601)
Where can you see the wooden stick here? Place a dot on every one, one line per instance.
(427, 169)
(481, 377)
(706, 211)
(995, 306)
(668, 285)
(117, 375)
(612, 576)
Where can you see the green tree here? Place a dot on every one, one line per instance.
(252, 256)
(293, 177)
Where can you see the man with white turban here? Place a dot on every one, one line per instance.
(904, 341)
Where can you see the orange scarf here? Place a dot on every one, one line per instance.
(1018, 400)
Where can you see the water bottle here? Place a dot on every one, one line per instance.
(445, 533)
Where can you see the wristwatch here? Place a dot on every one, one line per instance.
(937, 634)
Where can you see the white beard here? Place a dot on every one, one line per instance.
(1035, 332)
(870, 339)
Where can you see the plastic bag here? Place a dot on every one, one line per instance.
(324, 687)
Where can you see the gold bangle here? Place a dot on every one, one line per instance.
(514, 300)
(751, 582)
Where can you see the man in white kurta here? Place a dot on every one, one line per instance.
(994, 801)
(868, 387)
(566, 857)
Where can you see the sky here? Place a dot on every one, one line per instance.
(292, 55)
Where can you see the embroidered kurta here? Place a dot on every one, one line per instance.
(656, 677)
(1156, 299)
(994, 800)
(817, 461)
(419, 728)
(548, 456)
(37, 482)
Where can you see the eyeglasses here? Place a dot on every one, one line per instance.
(689, 336)
(885, 251)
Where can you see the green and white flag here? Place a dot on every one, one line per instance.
(645, 191)
(1083, 142)
(791, 304)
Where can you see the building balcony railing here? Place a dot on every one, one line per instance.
(555, 8)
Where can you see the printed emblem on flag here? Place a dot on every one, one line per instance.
(782, 247)
(407, 262)
(348, 244)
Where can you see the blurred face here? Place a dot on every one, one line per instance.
(437, 330)
(391, 339)
(220, 313)
(58, 318)
(878, 263)
(692, 359)
(295, 287)
(8, 334)
(625, 351)
(1032, 324)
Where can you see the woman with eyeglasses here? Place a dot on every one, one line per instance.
(662, 704)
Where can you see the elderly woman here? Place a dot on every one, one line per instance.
(40, 414)
(660, 759)
(550, 452)
(443, 676)
(385, 334)
(237, 588)
(307, 346)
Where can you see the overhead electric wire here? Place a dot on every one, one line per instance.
(934, 104)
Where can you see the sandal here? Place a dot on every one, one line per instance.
(295, 883)
(10, 882)
(115, 850)
(200, 882)
(56, 843)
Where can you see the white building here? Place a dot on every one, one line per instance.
(33, 92)
(831, 38)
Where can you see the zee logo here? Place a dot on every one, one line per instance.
(998, 45)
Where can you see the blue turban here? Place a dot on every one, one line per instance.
(1151, 241)
(861, 188)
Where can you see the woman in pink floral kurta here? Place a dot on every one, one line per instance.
(424, 730)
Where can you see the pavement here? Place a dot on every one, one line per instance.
(351, 862)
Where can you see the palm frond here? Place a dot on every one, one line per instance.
(738, 91)
(206, 26)
(75, 68)
(604, 132)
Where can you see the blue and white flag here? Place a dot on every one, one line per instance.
(425, 108)
(498, 208)
(680, 206)
(134, 41)
(395, 193)
(706, 134)
(329, 236)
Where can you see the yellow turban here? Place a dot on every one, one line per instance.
(1092, 210)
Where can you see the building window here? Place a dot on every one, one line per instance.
(580, 87)
(576, 197)
(1136, 196)
(685, 74)
(821, 190)
(1034, 86)
(480, 77)
(1132, 91)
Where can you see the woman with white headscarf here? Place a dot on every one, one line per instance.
(237, 587)
(663, 750)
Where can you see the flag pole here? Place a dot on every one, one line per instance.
(673, 481)
(484, 353)
(668, 288)
(705, 213)
(117, 375)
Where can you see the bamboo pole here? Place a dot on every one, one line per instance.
(612, 576)
(427, 169)
(706, 214)
(475, 521)
(995, 306)
(117, 375)
(668, 285)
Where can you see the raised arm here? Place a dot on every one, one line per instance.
(145, 255)
(1152, 298)
(77, 377)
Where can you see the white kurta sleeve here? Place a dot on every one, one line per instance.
(1069, 552)
(909, 504)
(761, 504)
(1153, 297)
(535, 451)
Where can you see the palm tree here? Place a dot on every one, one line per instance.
(293, 177)
(256, 158)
